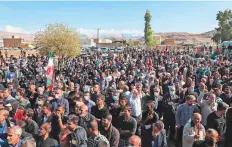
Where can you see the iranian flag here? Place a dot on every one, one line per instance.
(49, 72)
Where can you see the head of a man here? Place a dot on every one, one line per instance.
(47, 109)
(96, 88)
(121, 84)
(32, 87)
(135, 93)
(100, 100)
(93, 127)
(77, 87)
(150, 106)
(222, 108)
(86, 96)
(127, 111)
(14, 134)
(211, 138)
(19, 93)
(59, 85)
(190, 100)
(45, 129)
(72, 122)
(64, 137)
(71, 86)
(197, 118)
(2, 116)
(28, 114)
(58, 94)
(227, 90)
(123, 102)
(135, 141)
(106, 120)
(83, 110)
(158, 126)
(60, 109)
(212, 98)
(202, 86)
(40, 90)
(6, 93)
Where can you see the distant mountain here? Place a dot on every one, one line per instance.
(26, 37)
(189, 37)
(209, 34)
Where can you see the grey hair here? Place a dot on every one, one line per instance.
(29, 142)
(17, 130)
(73, 118)
(159, 125)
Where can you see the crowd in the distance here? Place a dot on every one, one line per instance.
(134, 98)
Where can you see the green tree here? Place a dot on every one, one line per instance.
(224, 29)
(59, 39)
(130, 43)
(148, 33)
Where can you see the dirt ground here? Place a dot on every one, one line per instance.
(16, 53)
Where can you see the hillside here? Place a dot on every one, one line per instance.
(209, 34)
(195, 38)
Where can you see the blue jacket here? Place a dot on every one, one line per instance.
(161, 139)
(64, 102)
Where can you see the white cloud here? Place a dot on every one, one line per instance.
(215, 26)
(15, 29)
(88, 32)
(109, 32)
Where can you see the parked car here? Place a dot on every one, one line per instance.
(112, 49)
(104, 49)
(120, 49)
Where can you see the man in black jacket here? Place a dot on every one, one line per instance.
(170, 102)
(109, 131)
(45, 140)
(31, 126)
(217, 120)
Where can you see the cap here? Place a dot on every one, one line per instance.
(8, 105)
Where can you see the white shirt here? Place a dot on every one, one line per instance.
(135, 103)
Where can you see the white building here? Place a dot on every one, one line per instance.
(105, 41)
(86, 42)
(1, 42)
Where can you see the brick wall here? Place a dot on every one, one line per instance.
(12, 42)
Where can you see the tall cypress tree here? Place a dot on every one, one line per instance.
(148, 33)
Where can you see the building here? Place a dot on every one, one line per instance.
(1, 43)
(158, 39)
(103, 40)
(12, 42)
(86, 42)
(26, 44)
(169, 42)
(109, 45)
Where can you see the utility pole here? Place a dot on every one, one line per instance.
(98, 29)
(122, 39)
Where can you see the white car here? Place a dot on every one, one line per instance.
(112, 49)
(120, 49)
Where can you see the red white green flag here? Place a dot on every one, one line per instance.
(49, 72)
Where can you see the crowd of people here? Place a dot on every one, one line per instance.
(144, 98)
